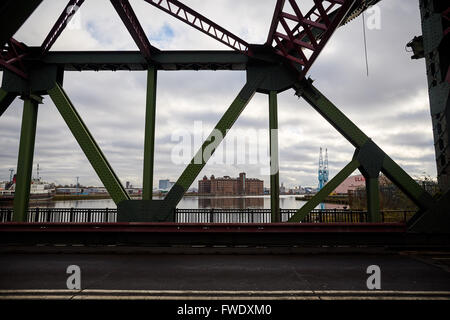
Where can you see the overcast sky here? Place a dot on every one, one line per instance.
(391, 105)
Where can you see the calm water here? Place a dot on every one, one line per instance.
(191, 202)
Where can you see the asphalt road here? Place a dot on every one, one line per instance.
(212, 272)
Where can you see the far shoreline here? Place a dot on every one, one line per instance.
(64, 197)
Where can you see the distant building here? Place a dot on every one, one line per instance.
(96, 190)
(164, 184)
(299, 190)
(351, 184)
(66, 190)
(134, 191)
(127, 185)
(231, 186)
(309, 190)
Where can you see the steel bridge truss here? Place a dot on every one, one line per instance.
(279, 64)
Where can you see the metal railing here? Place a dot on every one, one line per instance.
(206, 215)
(264, 215)
(63, 215)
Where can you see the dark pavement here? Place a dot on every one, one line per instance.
(140, 271)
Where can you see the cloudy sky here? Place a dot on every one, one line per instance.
(390, 105)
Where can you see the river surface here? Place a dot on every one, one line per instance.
(189, 202)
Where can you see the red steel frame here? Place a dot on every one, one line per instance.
(143, 227)
(12, 55)
(194, 19)
(311, 32)
(131, 22)
(60, 24)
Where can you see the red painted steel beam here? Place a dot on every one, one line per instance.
(69, 10)
(191, 17)
(446, 16)
(334, 24)
(13, 14)
(12, 55)
(131, 22)
(206, 227)
(273, 26)
(311, 31)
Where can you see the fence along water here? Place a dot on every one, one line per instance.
(108, 215)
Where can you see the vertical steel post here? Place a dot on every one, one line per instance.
(25, 159)
(149, 144)
(274, 163)
(373, 199)
(208, 147)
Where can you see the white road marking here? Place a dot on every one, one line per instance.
(233, 297)
(36, 297)
(230, 292)
(101, 294)
(40, 291)
(180, 297)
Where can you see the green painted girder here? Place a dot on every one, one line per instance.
(274, 157)
(149, 142)
(358, 139)
(332, 114)
(134, 60)
(25, 160)
(202, 156)
(329, 187)
(373, 199)
(6, 98)
(88, 144)
(13, 13)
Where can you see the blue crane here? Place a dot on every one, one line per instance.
(323, 172)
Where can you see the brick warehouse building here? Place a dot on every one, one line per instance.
(230, 186)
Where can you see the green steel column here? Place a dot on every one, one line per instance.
(25, 160)
(149, 144)
(88, 144)
(6, 98)
(373, 199)
(274, 163)
(325, 191)
(189, 174)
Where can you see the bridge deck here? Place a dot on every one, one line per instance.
(253, 234)
(181, 276)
